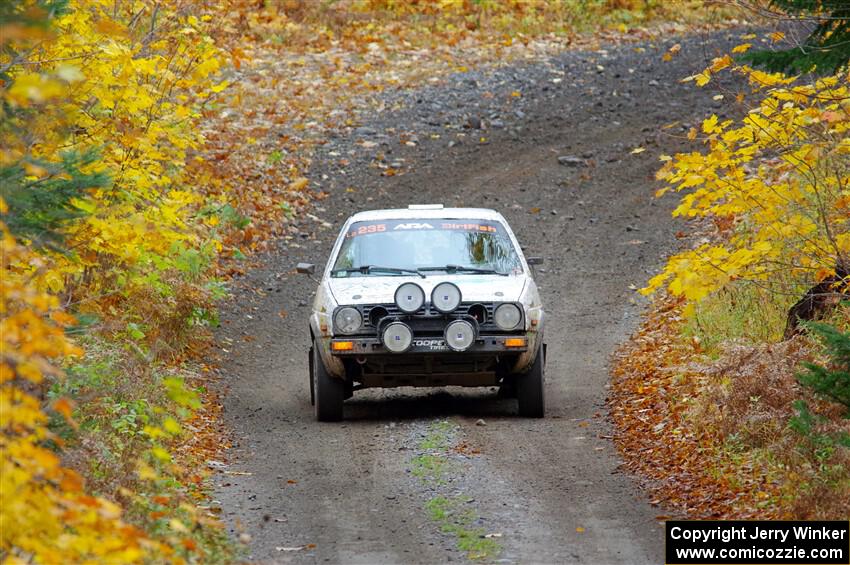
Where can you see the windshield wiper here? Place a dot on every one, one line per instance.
(461, 269)
(367, 269)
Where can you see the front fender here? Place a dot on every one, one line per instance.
(524, 362)
(321, 329)
(535, 320)
(322, 341)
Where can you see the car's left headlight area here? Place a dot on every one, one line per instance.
(347, 320)
(507, 316)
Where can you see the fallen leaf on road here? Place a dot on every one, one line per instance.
(638, 150)
(671, 52)
(298, 548)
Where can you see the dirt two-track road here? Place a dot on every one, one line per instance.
(549, 489)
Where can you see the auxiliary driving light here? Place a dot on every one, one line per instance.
(409, 297)
(397, 337)
(446, 297)
(507, 316)
(459, 335)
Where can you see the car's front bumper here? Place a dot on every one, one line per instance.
(359, 346)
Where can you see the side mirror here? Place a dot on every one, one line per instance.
(305, 268)
(532, 261)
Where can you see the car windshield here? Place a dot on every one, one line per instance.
(432, 246)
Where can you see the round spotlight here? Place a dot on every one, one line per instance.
(459, 335)
(446, 297)
(348, 320)
(397, 337)
(409, 297)
(507, 316)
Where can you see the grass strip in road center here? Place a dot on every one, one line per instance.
(437, 466)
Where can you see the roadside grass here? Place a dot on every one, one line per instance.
(769, 426)
(725, 420)
(453, 513)
(742, 313)
(130, 418)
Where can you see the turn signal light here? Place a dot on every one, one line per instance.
(342, 345)
(516, 342)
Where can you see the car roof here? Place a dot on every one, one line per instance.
(428, 213)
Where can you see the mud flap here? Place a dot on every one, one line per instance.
(310, 371)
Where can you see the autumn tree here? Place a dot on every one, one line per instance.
(99, 102)
(825, 42)
(774, 182)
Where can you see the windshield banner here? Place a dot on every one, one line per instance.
(381, 226)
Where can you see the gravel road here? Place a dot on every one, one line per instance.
(549, 489)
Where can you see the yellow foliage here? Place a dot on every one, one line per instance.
(127, 79)
(45, 516)
(121, 78)
(773, 182)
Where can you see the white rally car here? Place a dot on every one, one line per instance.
(426, 296)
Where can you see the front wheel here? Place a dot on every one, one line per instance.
(328, 392)
(530, 389)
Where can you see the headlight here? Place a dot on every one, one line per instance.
(446, 297)
(397, 337)
(459, 335)
(348, 320)
(409, 297)
(507, 316)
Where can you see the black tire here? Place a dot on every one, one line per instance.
(507, 389)
(530, 389)
(329, 392)
(310, 376)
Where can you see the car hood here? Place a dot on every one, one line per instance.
(381, 290)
